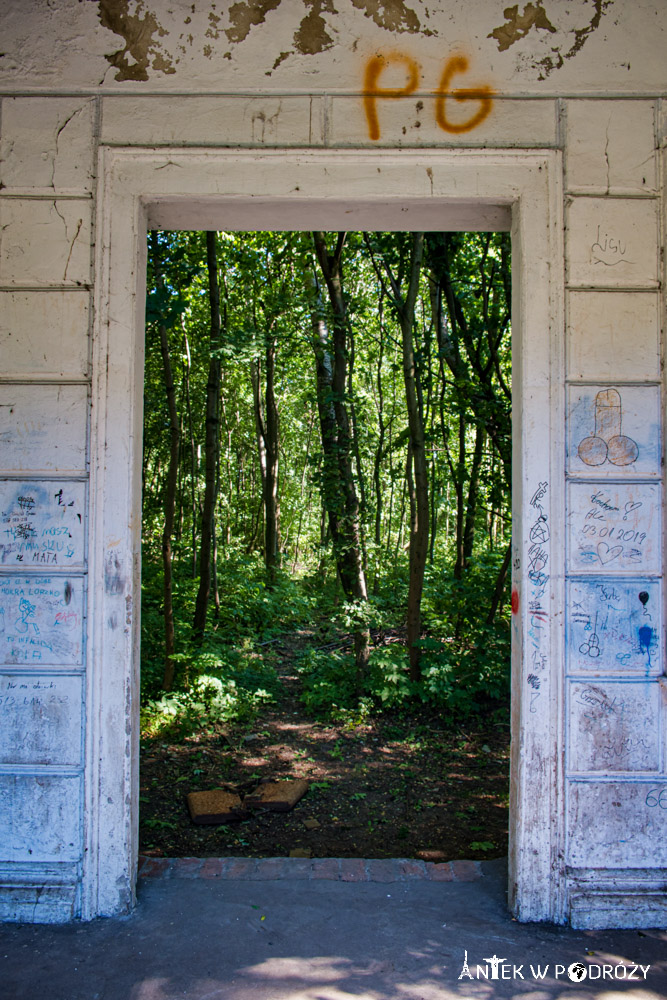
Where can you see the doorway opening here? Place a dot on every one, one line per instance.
(311, 401)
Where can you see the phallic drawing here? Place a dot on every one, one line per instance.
(591, 646)
(608, 443)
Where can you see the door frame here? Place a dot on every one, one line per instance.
(443, 189)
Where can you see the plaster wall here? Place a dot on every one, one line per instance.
(113, 105)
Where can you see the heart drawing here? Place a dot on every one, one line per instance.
(606, 554)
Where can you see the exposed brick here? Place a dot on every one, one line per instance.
(212, 868)
(155, 868)
(353, 870)
(410, 869)
(269, 869)
(466, 871)
(187, 867)
(440, 873)
(240, 868)
(382, 870)
(299, 868)
(326, 868)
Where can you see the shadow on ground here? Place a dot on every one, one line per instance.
(307, 939)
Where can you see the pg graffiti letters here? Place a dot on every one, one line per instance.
(482, 95)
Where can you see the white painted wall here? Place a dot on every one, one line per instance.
(119, 113)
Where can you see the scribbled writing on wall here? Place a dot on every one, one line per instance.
(609, 250)
(538, 578)
(481, 96)
(631, 831)
(614, 528)
(614, 431)
(657, 797)
(41, 620)
(41, 719)
(611, 727)
(614, 626)
(41, 524)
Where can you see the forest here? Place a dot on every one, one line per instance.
(326, 539)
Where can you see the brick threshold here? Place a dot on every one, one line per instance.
(334, 869)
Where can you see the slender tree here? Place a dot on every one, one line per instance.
(212, 441)
(340, 495)
(172, 479)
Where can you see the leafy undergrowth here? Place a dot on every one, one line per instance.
(390, 783)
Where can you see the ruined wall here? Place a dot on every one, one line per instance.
(584, 77)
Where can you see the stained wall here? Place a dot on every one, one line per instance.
(584, 78)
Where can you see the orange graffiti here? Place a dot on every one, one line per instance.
(377, 64)
(459, 64)
(374, 68)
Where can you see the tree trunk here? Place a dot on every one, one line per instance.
(170, 497)
(500, 586)
(338, 481)
(419, 527)
(211, 441)
(473, 495)
(459, 482)
(193, 455)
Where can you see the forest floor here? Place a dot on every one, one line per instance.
(398, 784)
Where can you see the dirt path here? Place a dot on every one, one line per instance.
(397, 785)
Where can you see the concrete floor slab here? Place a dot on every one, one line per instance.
(321, 939)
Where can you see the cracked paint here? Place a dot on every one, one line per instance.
(518, 26)
(79, 224)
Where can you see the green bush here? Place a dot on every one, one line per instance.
(231, 685)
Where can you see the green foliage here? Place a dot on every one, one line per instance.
(465, 662)
(223, 686)
(465, 382)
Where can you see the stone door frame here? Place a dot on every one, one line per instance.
(175, 188)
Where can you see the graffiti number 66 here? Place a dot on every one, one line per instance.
(454, 65)
(657, 797)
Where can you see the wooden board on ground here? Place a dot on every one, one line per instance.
(277, 796)
(215, 806)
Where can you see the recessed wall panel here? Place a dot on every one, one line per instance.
(614, 431)
(614, 528)
(40, 719)
(41, 620)
(614, 626)
(42, 523)
(43, 428)
(612, 726)
(617, 824)
(40, 818)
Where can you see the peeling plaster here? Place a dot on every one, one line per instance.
(138, 33)
(311, 36)
(244, 16)
(393, 15)
(518, 26)
(550, 39)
